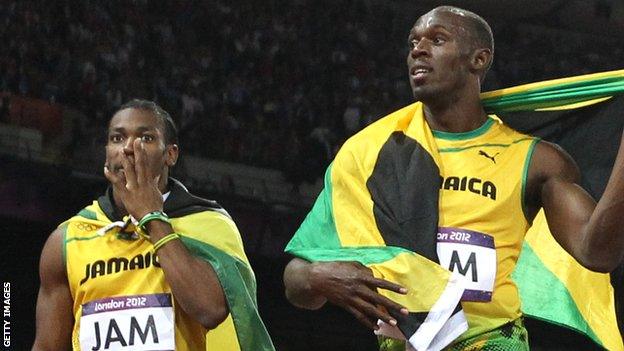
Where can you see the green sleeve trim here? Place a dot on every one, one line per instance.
(64, 245)
(81, 239)
(465, 135)
(525, 176)
(547, 298)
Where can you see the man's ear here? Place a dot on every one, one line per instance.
(172, 153)
(481, 59)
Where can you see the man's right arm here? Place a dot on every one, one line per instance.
(54, 302)
(349, 285)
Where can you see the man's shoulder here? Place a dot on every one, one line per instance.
(183, 203)
(510, 133)
(212, 227)
(201, 212)
(552, 154)
(198, 205)
(195, 214)
(58, 234)
(551, 160)
(85, 222)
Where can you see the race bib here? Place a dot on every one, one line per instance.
(137, 323)
(471, 254)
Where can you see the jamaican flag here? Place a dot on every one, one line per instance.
(368, 213)
(390, 226)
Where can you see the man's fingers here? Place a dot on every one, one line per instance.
(362, 318)
(381, 300)
(370, 309)
(356, 291)
(384, 284)
(140, 163)
(110, 175)
(129, 172)
(115, 177)
(376, 305)
(116, 180)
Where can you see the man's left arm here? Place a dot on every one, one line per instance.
(593, 233)
(193, 281)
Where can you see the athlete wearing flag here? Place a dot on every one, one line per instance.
(488, 184)
(148, 265)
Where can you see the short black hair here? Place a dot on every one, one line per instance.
(481, 33)
(170, 132)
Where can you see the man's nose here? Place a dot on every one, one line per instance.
(128, 146)
(420, 49)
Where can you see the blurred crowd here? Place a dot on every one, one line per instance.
(274, 83)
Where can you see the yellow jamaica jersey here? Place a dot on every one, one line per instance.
(396, 195)
(482, 219)
(120, 294)
(122, 300)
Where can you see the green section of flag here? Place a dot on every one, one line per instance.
(366, 255)
(239, 287)
(545, 297)
(318, 229)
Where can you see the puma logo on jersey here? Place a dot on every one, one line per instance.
(484, 154)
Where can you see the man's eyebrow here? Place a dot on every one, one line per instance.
(443, 27)
(146, 129)
(140, 129)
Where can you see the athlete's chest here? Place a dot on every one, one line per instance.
(109, 261)
(121, 297)
(481, 222)
(480, 180)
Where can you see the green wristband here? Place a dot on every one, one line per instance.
(156, 215)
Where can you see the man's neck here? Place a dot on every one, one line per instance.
(455, 115)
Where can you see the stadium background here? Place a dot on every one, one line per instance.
(264, 94)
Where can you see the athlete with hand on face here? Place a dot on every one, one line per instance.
(140, 267)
